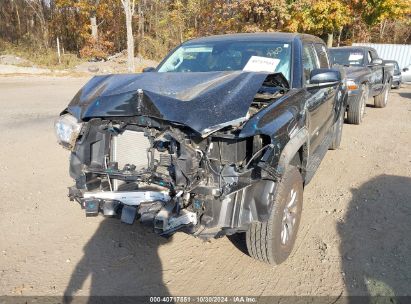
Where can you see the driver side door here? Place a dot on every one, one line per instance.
(320, 102)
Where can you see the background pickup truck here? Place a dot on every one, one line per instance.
(367, 76)
(220, 138)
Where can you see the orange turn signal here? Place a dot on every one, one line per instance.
(351, 85)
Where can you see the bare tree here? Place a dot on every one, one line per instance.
(140, 19)
(93, 21)
(38, 9)
(18, 19)
(129, 6)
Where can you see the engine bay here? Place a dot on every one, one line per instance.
(173, 175)
(161, 173)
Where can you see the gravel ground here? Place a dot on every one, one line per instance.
(354, 237)
(11, 65)
(13, 69)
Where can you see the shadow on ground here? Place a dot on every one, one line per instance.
(405, 94)
(119, 260)
(376, 240)
(238, 240)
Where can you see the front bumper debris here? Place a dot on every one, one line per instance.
(152, 207)
(130, 198)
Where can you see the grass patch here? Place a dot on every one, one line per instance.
(45, 58)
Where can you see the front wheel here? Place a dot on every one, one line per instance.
(272, 241)
(355, 112)
(396, 86)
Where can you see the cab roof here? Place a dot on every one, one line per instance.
(353, 47)
(266, 36)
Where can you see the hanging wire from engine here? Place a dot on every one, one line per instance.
(108, 176)
(210, 166)
(257, 153)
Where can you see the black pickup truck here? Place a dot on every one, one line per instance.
(367, 76)
(220, 138)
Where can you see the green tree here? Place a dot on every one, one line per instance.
(319, 17)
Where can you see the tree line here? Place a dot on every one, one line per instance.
(98, 28)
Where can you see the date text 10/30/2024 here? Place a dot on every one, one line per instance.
(204, 299)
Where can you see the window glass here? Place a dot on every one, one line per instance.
(322, 55)
(347, 57)
(227, 56)
(310, 61)
(395, 65)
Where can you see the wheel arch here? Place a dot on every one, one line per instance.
(295, 152)
(251, 204)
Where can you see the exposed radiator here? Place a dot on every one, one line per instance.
(130, 147)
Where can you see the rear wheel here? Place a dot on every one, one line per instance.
(356, 110)
(272, 241)
(380, 101)
(397, 85)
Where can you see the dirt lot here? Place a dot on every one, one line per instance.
(355, 235)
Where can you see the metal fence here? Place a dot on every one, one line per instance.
(398, 52)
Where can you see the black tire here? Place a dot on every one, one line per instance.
(355, 112)
(265, 240)
(337, 132)
(380, 101)
(396, 85)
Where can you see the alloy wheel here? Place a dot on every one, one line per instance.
(289, 218)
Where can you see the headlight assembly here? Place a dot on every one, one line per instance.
(351, 85)
(67, 130)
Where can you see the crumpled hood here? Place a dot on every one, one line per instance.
(201, 101)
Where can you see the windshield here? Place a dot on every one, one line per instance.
(230, 56)
(347, 57)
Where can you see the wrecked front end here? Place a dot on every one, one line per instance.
(201, 175)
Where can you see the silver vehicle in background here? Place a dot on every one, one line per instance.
(406, 74)
(397, 77)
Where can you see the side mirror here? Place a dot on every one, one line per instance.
(149, 69)
(376, 61)
(325, 77)
(405, 69)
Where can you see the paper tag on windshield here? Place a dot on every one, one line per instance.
(355, 57)
(261, 64)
